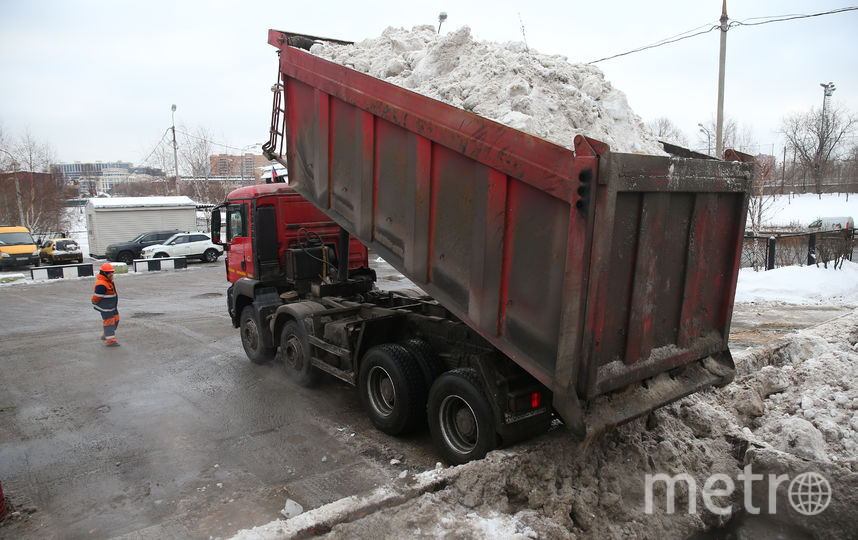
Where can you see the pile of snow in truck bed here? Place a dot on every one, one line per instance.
(543, 95)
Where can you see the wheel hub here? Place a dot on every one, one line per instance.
(458, 424)
(251, 336)
(382, 394)
(292, 354)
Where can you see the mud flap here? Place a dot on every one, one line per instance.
(566, 404)
(611, 410)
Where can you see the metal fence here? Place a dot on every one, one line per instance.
(789, 249)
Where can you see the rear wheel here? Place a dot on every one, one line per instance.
(392, 389)
(126, 256)
(251, 338)
(210, 255)
(460, 417)
(296, 356)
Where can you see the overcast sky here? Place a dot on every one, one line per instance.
(96, 79)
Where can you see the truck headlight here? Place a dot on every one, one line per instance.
(4, 254)
(36, 253)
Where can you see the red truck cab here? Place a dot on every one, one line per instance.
(265, 220)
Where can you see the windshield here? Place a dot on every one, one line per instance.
(168, 240)
(15, 239)
(138, 238)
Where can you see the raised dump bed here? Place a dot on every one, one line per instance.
(592, 270)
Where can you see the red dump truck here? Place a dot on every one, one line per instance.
(587, 284)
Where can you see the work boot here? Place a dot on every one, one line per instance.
(111, 343)
(102, 338)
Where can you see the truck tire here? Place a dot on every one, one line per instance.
(126, 256)
(460, 417)
(392, 389)
(429, 363)
(296, 356)
(251, 339)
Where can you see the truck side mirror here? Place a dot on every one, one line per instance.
(215, 228)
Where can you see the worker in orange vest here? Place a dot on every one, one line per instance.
(106, 302)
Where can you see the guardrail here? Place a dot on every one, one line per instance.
(62, 271)
(156, 265)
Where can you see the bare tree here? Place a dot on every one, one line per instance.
(41, 194)
(817, 140)
(665, 130)
(194, 153)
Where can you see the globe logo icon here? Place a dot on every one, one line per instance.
(809, 493)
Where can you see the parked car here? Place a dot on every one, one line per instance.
(833, 223)
(60, 250)
(128, 251)
(191, 245)
(17, 247)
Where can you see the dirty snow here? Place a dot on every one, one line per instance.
(541, 94)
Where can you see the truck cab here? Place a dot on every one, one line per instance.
(276, 242)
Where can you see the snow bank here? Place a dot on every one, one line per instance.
(800, 210)
(543, 95)
(803, 285)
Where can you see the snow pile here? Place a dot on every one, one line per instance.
(543, 95)
(800, 285)
(800, 210)
(799, 414)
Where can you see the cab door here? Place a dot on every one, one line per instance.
(239, 257)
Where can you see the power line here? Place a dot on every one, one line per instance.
(654, 45)
(209, 140)
(156, 146)
(781, 18)
(733, 24)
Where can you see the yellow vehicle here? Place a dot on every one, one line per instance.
(60, 250)
(17, 247)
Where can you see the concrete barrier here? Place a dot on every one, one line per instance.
(156, 265)
(62, 271)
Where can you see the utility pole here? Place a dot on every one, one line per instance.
(17, 188)
(175, 152)
(719, 128)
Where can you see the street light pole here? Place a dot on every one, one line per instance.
(708, 139)
(719, 128)
(827, 90)
(175, 152)
(17, 187)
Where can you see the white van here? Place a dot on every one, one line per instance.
(833, 223)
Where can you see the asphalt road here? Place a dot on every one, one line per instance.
(175, 434)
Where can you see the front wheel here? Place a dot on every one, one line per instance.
(210, 255)
(126, 257)
(251, 338)
(161, 255)
(296, 356)
(392, 389)
(460, 417)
